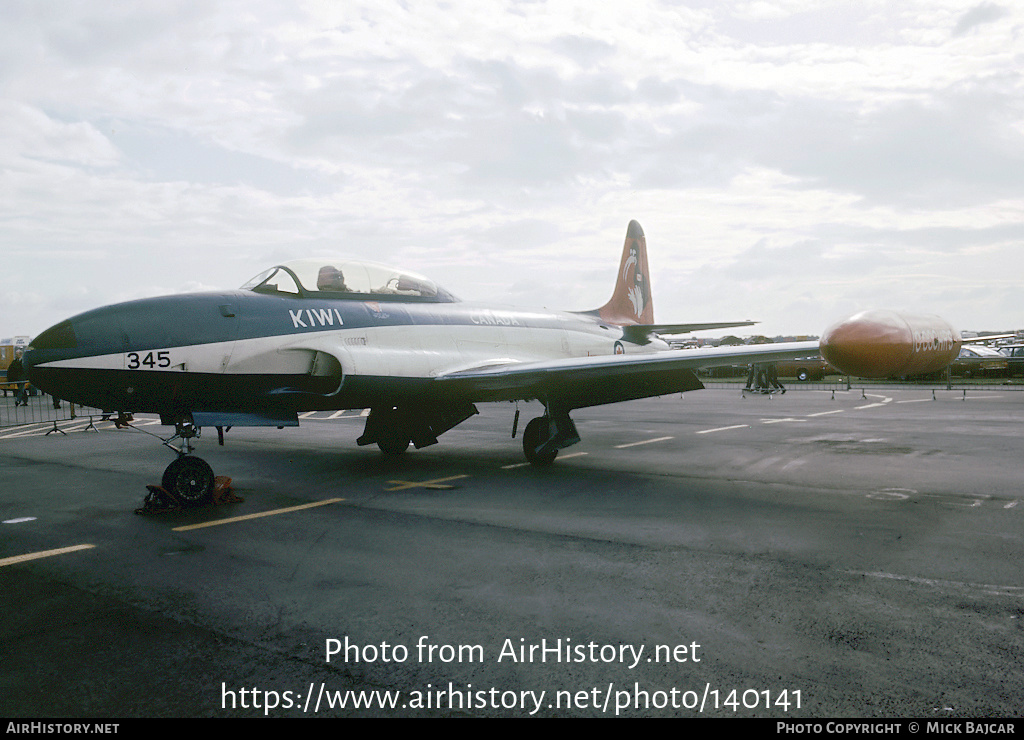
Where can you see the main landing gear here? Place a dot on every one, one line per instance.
(536, 432)
(394, 428)
(545, 435)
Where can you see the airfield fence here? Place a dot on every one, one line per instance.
(844, 383)
(40, 410)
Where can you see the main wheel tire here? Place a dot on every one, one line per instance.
(534, 435)
(393, 444)
(189, 480)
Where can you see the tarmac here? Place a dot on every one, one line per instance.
(808, 555)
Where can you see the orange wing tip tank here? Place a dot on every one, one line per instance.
(883, 344)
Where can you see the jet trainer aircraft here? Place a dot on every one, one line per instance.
(344, 334)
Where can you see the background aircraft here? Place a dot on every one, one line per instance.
(345, 334)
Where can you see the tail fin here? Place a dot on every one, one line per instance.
(631, 300)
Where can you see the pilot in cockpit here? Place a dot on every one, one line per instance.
(331, 279)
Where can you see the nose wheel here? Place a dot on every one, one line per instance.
(189, 480)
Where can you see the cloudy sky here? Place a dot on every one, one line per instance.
(790, 161)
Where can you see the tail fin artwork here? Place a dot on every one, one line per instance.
(631, 306)
(631, 300)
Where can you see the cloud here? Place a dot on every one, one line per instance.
(951, 149)
(29, 134)
(979, 15)
(502, 147)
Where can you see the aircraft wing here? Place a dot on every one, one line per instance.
(591, 381)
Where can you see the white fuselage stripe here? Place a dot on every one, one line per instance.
(413, 351)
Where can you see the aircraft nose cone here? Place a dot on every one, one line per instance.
(870, 344)
(56, 343)
(33, 374)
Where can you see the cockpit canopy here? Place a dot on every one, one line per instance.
(347, 278)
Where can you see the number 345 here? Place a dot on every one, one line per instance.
(149, 360)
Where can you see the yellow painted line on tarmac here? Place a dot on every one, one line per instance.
(435, 484)
(257, 515)
(43, 554)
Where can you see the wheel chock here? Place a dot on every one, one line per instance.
(222, 491)
(159, 501)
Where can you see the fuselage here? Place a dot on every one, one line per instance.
(343, 333)
(240, 349)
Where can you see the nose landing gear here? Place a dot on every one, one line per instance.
(188, 482)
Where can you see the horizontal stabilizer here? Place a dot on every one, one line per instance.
(684, 328)
(639, 332)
